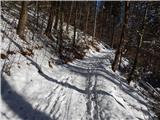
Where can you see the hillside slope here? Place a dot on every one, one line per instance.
(36, 86)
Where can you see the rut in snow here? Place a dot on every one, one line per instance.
(92, 96)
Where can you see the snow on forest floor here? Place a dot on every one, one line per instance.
(38, 88)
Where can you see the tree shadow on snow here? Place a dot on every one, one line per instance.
(84, 72)
(19, 105)
(108, 75)
(25, 110)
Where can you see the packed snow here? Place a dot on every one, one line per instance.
(37, 87)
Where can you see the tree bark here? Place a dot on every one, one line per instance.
(125, 41)
(102, 24)
(86, 25)
(112, 35)
(123, 36)
(69, 19)
(61, 29)
(50, 20)
(118, 52)
(37, 14)
(95, 21)
(22, 20)
(57, 15)
(75, 25)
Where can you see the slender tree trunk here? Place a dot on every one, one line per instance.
(125, 42)
(102, 25)
(75, 25)
(50, 20)
(57, 15)
(35, 26)
(37, 11)
(86, 25)
(61, 29)
(69, 19)
(80, 17)
(138, 48)
(95, 22)
(121, 43)
(22, 20)
(118, 52)
(112, 35)
(111, 25)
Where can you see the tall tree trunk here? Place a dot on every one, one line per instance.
(37, 14)
(123, 36)
(69, 19)
(102, 25)
(75, 25)
(95, 21)
(130, 77)
(50, 20)
(86, 25)
(60, 29)
(118, 52)
(112, 17)
(57, 15)
(22, 20)
(80, 25)
(112, 35)
(125, 41)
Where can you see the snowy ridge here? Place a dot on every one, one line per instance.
(82, 90)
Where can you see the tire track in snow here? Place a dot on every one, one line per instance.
(93, 112)
(89, 97)
(67, 107)
(92, 96)
(91, 66)
(50, 96)
(57, 102)
(95, 98)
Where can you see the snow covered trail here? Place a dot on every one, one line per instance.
(82, 90)
(105, 91)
